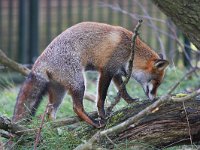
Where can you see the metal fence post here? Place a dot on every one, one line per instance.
(22, 36)
(59, 17)
(80, 10)
(48, 25)
(120, 14)
(90, 10)
(1, 24)
(69, 13)
(110, 13)
(33, 30)
(10, 27)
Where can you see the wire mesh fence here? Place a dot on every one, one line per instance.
(27, 26)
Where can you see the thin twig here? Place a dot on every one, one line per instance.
(154, 27)
(181, 45)
(90, 97)
(188, 123)
(40, 128)
(181, 79)
(123, 85)
(70, 120)
(135, 16)
(110, 140)
(132, 15)
(19, 140)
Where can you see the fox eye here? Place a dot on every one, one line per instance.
(155, 82)
(151, 80)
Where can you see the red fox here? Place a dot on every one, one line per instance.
(88, 46)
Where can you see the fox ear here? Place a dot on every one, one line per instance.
(160, 55)
(161, 64)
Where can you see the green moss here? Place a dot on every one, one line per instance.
(114, 119)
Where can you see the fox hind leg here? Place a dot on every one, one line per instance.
(56, 94)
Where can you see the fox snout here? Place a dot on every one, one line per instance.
(150, 90)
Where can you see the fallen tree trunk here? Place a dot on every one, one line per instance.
(167, 125)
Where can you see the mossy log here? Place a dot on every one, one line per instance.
(167, 125)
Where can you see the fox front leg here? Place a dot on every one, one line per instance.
(77, 97)
(77, 94)
(104, 82)
(117, 79)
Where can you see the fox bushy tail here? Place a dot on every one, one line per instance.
(29, 97)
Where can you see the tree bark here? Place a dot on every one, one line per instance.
(167, 125)
(185, 14)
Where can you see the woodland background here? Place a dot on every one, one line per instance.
(28, 26)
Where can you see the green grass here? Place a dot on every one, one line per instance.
(61, 138)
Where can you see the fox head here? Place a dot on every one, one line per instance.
(151, 76)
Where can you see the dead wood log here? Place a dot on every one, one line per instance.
(7, 125)
(167, 125)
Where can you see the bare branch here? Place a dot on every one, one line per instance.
(40, 128)
(133, 16)
(70, 120)
(122, 86)
(181, 45)
(188, 123)
(90, 97)
(181, 79)
(154, 27)
(149, 18)
(12, 64)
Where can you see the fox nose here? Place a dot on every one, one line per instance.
(151, 96)
(150, 93)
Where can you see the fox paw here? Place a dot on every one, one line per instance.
(131, 100)
(100, 123)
